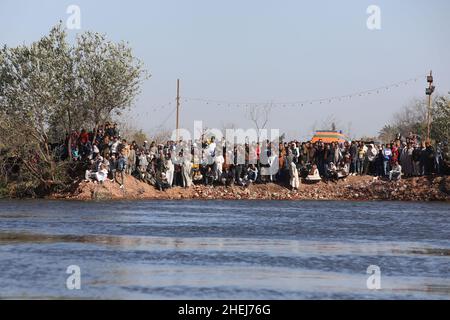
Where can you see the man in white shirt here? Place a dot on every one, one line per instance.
(396, 172)
(115, 146)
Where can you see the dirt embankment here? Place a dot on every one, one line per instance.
(353, 188)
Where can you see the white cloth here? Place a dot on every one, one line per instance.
(211, 149)
(396, 172)
(372, 153)
(101, 175)
(170, 172)
(219, 161)
(114, 147)
(273, 167)
(293, 172)
(186, 173)
(315, 176)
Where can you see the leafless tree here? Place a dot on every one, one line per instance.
(160, 135)
(330, 123)
(259, 116)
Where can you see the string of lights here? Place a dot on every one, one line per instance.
(147, 114)
(159, 107)
(302, 103)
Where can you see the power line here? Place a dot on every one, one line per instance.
(168, 117)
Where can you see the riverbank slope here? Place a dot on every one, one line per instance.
(434, 188)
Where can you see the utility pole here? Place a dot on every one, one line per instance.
(429, 91)
(178, 107)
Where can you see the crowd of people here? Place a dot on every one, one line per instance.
(108, 156)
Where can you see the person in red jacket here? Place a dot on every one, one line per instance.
(84, 137)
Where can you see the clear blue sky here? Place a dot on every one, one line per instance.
(257, 50)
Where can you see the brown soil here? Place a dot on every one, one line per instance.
(352, 188)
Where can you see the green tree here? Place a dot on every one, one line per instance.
(49, 88)
(30, 96)
(440, 126)
(109, 76)
(413, 118)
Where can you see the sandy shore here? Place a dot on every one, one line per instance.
(353, 188)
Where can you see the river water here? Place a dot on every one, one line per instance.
(225, 249)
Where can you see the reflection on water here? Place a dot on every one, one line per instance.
(229, 250)
(281, 247)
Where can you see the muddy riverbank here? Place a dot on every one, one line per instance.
(364, 188)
